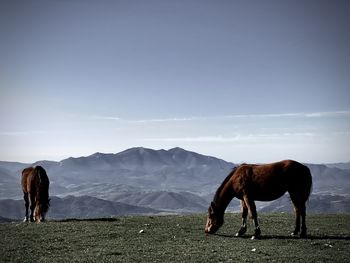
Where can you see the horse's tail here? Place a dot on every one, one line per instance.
(43, 188)
(308, 182)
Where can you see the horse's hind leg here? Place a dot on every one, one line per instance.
(254, 215)
(300, 215)
(32, 206)
(303, 221)
(243, 229)
(26, 204)
(297, 220)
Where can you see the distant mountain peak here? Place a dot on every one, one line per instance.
(98, 155)
(177, 149)
(136, 150)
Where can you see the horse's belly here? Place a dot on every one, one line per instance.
(262, 196)
(268, 196)
(269, 189)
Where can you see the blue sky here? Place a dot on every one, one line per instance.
(252, 81)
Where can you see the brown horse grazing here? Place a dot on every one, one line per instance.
(35, 186)
(250, 182)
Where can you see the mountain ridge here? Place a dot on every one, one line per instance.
(174, 180)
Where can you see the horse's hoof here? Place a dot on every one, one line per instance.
(241, 232)
(303, 235)
(255, 237)
(294, 234)
(303, 232)
(25, 220)
(257, 234)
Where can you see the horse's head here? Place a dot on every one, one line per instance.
(215, 219)
(41, 210)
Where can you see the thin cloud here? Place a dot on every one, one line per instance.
(20, 133)
(197, 139)
(289, 115)
(112, 118)
(169, 120)
(227, 139)
(328, 114)
(175, 119)
(244, 116)
(285, 134)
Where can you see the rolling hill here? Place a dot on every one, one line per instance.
(76, 207)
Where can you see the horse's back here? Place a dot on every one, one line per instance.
(268, 182)
(34, 177)
(286, 168)
(292, 172)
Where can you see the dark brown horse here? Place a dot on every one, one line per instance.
(250, 182)
(35, 186)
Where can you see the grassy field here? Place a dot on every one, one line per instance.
(174, 239)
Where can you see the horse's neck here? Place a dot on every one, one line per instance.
(225, 196)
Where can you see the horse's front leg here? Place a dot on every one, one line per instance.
(26, 204)
(253, 214)
(244, 213)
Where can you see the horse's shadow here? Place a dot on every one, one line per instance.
(286, 237)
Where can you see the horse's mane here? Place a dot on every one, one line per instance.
(228, 177)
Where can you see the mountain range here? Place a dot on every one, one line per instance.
(147, 181)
